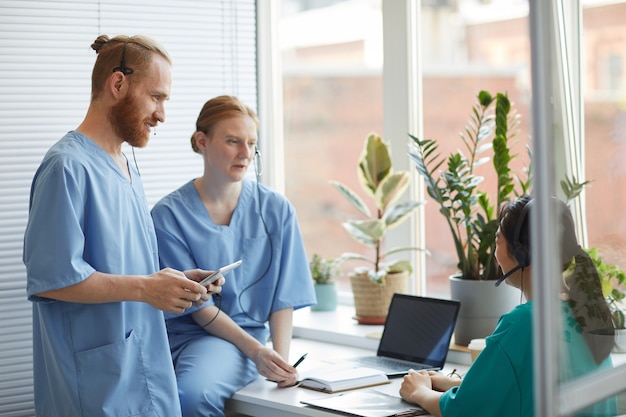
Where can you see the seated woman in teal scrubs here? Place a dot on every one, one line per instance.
(500, 381)
(214, 220)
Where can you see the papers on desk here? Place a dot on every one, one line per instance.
(336, 379)
(367, 404)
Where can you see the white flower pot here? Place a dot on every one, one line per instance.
(620, 341)
(482, 305)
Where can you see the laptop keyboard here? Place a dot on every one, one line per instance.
(390, 364)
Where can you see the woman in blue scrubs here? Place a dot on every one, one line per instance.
(214, 220)
(500, 381)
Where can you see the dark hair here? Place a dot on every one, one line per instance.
(582, 287)
(137, 51)
(515, 221)
(509, 219)
(217, 109)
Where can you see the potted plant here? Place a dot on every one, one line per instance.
(374, 285)
(612, 277)
(613, 280)
(472, 213)
(323, 272)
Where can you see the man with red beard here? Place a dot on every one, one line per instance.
(99, 342)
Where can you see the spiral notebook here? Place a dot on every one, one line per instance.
(416, 336)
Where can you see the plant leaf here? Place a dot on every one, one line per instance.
(391, 189)
(352, 197)
(397, 213)
(572, 188)
(374, 163)
(350, 256)
(368, 232)
(399, 266)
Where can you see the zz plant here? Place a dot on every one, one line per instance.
(471, 212)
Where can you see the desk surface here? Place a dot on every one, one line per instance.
(262, 398)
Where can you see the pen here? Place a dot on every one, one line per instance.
(299, 361)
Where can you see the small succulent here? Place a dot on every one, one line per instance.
(323, 270)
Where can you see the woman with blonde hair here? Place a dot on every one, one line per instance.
(214, 220)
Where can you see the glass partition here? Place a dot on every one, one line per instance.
(333, 99)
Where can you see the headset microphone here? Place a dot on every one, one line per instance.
(508, 274)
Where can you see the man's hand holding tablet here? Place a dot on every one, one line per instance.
(215, 275)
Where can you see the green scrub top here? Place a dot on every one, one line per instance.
(500, 381)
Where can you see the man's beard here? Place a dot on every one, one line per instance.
(128, 123)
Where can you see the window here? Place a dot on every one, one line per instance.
(333, 98)
(332, 81)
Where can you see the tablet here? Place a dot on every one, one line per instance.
(219, 272)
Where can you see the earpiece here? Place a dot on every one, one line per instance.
(123, 68)
(258, 168)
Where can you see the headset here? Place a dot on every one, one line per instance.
(521, 251)
(258, 167)
(258, 170)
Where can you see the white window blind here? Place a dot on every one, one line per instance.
(45, 72)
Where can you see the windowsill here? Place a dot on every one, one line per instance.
(340, 328)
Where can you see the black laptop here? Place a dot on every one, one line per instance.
(416, 336)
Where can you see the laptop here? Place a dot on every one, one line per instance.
(416, 336)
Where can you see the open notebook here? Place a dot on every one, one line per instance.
(416, 336)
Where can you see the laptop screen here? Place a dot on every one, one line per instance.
(419, 329)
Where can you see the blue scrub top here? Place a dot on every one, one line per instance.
(93, 359)
(263, 233)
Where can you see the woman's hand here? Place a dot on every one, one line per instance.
(441, 382)
(417, 388)
(273, 367)
(413, 383)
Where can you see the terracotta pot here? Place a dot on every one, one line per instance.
(371, 300)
